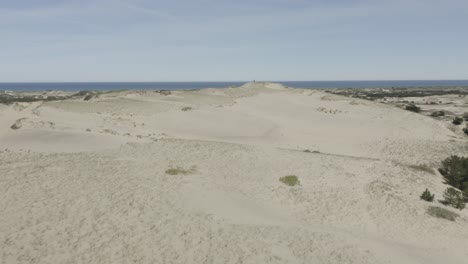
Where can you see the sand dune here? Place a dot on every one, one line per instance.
(86, 182)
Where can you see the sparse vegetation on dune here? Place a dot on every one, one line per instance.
(398, 92)
(454, 198)
(8, 100)
(438, 114)
(413, 108)
(311, 151)
(455, 172)
(427, 196)
(442, 213)
(457, 120)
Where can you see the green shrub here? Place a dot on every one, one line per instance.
(427, 196)
(457, 120)
(290, 180)
(187, 108)
(454, 198)
(413, 108)
(441, 213)
(455, 172)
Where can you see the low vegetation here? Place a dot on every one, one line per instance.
(457, 120)
(311, 151)
(290, 180)
(427, 196)
(454, 198)
(455, 172)
(163, 92)
(413, 108)
(187, 108)
(422, 167)
(442, 213)
(8, 99)
(438, 114)
(181, 171)
(465, 130)
(399, 92)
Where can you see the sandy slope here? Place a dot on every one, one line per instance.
(85, 181)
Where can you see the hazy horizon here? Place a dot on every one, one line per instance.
(236, 81)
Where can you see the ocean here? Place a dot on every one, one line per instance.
(106, 86)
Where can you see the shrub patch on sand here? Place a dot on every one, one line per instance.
(441, 213)
(455, 172)
(181, 171)
(454, 198)
(290, 180)
(413, 108)
(457, 121)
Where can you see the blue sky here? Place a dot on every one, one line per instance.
(208, 40)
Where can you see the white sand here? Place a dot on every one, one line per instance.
(85, 182)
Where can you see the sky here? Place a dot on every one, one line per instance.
(227, 40)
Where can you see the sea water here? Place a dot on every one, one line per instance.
(106, 86)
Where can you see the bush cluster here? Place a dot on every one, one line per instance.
(454, 198)
(427, 196)
(457, 120)
(413, 108)
(455, 172)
